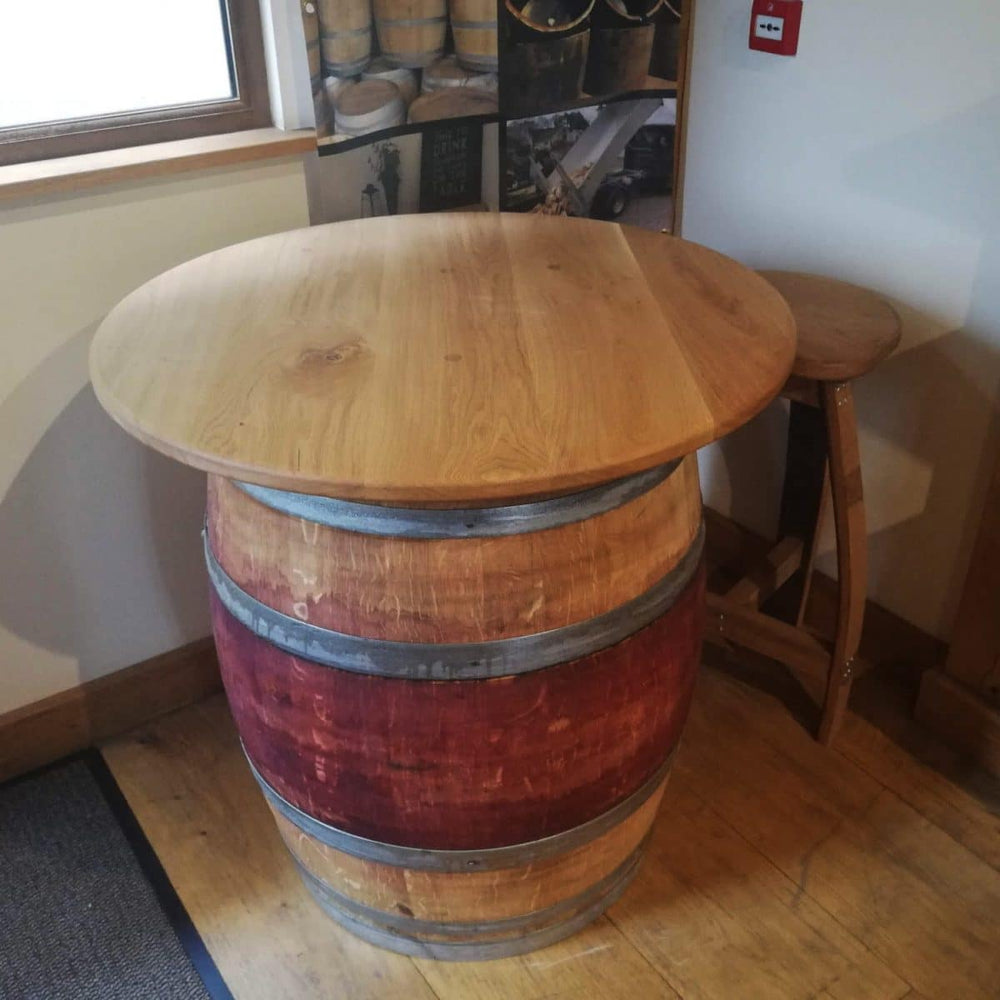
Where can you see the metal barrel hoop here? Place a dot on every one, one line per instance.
(454, 661)
(488, 859)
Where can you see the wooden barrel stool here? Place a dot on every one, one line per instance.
(843, 332)
(454, 540)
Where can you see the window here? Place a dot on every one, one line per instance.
(76, 77)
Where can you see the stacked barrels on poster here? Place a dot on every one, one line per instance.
(379, 64)
(550, 106)
(443, 57)
(560, 52)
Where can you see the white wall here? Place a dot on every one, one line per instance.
(872, 156)
(99, 537)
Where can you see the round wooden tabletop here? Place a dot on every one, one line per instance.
(844, 330)
(445, 358)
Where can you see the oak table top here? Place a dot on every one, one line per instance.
(443, 358)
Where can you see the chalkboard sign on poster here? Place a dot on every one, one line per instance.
(451, 165)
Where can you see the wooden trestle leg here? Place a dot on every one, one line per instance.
(852, 549)
(823, 462)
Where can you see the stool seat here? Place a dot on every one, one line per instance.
(844, 331)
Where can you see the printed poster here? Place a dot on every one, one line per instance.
(548, 106)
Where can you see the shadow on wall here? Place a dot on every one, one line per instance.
(920, 467)
(930, 415)
(944, 431)
(944, 394)
(740, 476)
(100, 536)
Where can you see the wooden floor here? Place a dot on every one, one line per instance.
(777, 869)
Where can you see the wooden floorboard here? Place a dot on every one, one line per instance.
(923, 903)
(778, 869)
(598, 962)
(720, 920)
(185, 778)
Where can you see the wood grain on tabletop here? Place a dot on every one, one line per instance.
(460, 589)
(843, 330)
(449, 357)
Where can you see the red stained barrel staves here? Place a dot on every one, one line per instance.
(464, 764)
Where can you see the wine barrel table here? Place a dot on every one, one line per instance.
(454, 539)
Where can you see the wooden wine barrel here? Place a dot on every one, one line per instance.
(453, 540)
(453, 102)
(665, 60)
(621, 46)
(545, 54)
(618, 59)
(617, 12)
(405, 79)
(411, 33)
(495, 696)
(474, 28)
(368, 106)
(334, 86)
(551, 18)
(449, 72)
(345, 36)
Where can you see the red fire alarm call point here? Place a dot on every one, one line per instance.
(774, 26)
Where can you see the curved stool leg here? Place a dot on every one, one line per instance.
(852, 549)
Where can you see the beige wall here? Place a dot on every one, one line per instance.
(872, 156)
(99, 537)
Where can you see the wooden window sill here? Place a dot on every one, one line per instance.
(76, 173)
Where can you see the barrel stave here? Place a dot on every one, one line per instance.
(463, 764)
(472, 896)
(474, 28)
(618, 59)
(411, 33)
(456, 915)
(345, 36)
(453, 590)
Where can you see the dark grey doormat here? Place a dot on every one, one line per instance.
(86, 910)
